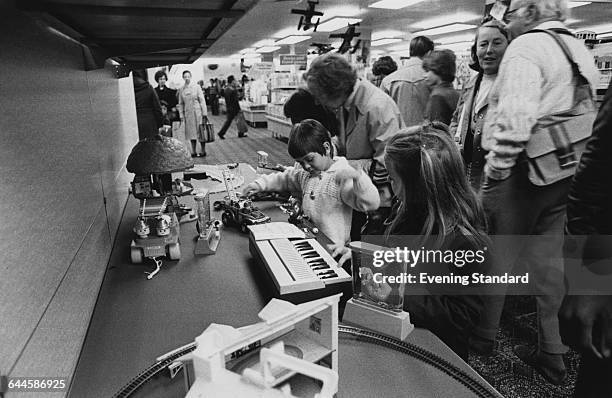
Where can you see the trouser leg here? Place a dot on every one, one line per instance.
(227, 124)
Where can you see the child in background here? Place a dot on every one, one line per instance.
(329, 186)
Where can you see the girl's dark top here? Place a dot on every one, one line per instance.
(442, 103)
(449, 316)
(168, 95)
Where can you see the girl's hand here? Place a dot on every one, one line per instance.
(342, 251)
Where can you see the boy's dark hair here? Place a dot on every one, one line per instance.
(420, 45)
(302, 105)
(308, 136)
(230, 79)
(186, 71)
(159, 74)
(442, 63)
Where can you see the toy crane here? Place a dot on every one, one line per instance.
(208, 229)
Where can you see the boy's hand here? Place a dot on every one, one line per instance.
(346, 174)
(251, 189)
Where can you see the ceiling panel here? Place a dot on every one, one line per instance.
(266, 19)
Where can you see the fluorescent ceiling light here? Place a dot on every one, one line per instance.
(292, 40)
(394, 4)
(457, 47)
(247, 50)
(389, 33)
(599, 29)
(382, 42)
(574, 4)
(456, 38)
(571, 21)
(341, 11)
(336, 23)
(456, 27)
(267, 49)
(459, 17)
(264, 42)
(286, 32)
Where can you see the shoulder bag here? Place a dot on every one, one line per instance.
(558, 140)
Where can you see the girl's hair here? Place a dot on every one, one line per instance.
(159, 74)
(308, 136)
(384, 66)
(186, 71)
(437, 198)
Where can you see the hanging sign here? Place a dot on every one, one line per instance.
(293, 59)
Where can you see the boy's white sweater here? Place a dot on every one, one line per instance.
(326, 202)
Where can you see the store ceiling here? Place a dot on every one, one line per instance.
(147, 33)
(272, 19)
(141, 33)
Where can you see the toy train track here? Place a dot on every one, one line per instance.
(422, 354)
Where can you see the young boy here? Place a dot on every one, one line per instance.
(329, 186)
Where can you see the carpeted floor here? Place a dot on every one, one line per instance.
(503, 370)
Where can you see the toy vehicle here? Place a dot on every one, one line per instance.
(238, 210)
(157, 230)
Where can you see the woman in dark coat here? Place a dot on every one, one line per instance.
(148, 107)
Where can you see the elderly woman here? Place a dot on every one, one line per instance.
(440, 69)
(192, 108)
(490, 44)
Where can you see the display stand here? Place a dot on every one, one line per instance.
(376, 305)
(392, 324)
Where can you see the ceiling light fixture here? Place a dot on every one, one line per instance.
(394, 4)
(336, 23)
(599, 29)
(574, 4)
(456, 38)
(389, 33)
(460, 17)
(457, 47)
(456, 27)
(264, 42)
(342, 11)
(382, 42)
(292, 40)
(267, 49)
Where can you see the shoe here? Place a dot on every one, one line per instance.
(201, 155)
(550, 366)
(194, 155)
(221, 136)
(481, 346)
(242, 135)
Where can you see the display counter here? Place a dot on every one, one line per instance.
(137, 320)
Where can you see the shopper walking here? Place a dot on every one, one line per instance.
(192, 109)
(231, 95)
(535, 80)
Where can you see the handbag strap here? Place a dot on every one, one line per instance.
(564, 149)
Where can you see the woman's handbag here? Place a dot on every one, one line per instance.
(558, 140)
(206, 132)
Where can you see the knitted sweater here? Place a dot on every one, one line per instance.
(326, 202)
